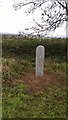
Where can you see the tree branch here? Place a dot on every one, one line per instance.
(53, 15)
(61, 4)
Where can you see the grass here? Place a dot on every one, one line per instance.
(22, 105)
(18, 59)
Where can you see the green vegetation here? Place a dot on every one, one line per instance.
(18, 59)
(51, 104)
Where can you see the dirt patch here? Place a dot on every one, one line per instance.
(39, 84)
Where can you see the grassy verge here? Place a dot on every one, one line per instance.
(19, 59)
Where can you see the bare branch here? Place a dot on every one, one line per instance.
(61, 4)
(54, 13)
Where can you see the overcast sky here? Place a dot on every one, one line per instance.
(12, 21)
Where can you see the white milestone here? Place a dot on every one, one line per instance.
(40, 52)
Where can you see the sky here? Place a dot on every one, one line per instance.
(12, 21)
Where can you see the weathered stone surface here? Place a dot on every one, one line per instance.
(40, 50)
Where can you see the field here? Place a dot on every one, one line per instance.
(24, 94)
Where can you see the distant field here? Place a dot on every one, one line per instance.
(24, 94)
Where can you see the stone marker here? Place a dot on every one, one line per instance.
(40, 60)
